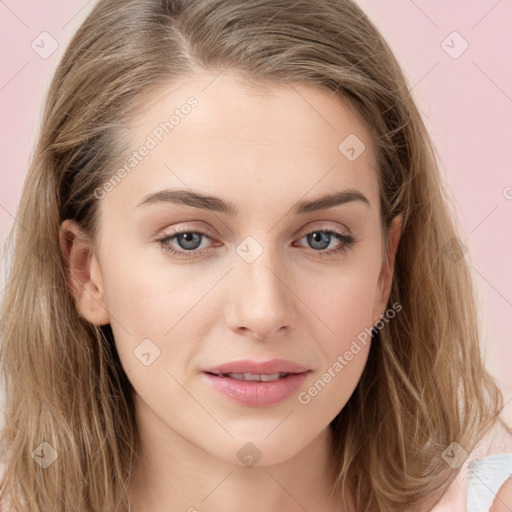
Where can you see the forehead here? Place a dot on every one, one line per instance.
(217, 133)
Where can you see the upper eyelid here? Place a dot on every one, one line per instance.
(307, 230)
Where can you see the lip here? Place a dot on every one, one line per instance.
(264, 368)
(257, 393)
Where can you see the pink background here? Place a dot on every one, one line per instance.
(466, 102)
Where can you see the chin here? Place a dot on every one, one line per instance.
(259, 449)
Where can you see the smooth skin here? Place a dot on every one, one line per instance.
(261, 150)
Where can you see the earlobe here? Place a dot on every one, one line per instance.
(83, 273)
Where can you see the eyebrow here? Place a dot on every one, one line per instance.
(216, 204)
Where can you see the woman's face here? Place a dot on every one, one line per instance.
(268, 279)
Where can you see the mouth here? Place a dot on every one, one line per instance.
(257, 384)
(252, 376)
(275, 368)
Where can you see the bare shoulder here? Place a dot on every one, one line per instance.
(503, 500)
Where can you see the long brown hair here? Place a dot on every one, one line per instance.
(424, 386)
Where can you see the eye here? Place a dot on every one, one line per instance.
(320, 239)
(189, 242)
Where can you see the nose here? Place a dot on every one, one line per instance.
(261, 300)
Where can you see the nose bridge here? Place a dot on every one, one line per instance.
(262, 301)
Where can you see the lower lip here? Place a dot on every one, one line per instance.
(257, 393)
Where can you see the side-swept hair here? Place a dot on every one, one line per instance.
(424, 385)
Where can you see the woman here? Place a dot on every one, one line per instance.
(237, 281)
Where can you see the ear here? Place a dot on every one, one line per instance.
(387, 270)
(84, 273)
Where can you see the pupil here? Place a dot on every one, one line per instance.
(190, 239)
(320, 237)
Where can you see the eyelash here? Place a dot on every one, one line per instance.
(348, 241)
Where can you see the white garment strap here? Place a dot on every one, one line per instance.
(485, 478)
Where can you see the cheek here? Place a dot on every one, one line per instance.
(160, 316)
(342, 305)
(147, 295)
(343, 337)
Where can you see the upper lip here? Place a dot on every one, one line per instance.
(264, 368)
